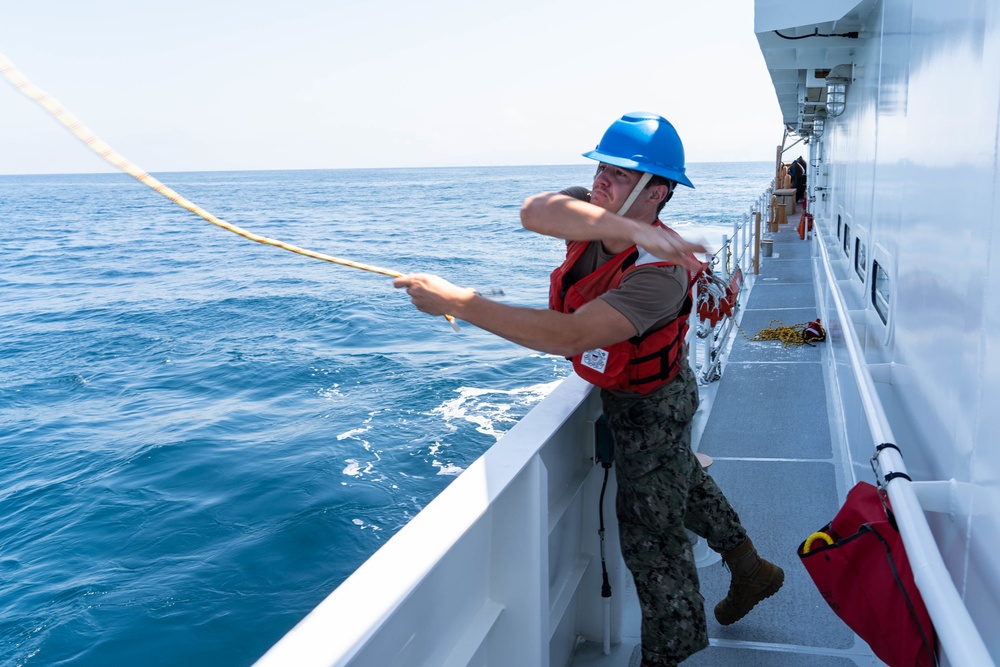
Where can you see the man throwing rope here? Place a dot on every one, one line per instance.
(618, 307)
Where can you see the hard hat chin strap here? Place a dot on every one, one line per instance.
(643, 181)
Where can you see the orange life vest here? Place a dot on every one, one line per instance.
(640, 364)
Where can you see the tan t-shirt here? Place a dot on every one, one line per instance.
(650, 296)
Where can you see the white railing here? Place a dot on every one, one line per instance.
(706, 344)
(956, 631)
(502, 568)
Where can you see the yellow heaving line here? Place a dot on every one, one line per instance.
(87, 136)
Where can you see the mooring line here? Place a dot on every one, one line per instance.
(113, 157)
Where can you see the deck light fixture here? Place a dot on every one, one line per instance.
(836, 89)
(819, 124)
(836, 97)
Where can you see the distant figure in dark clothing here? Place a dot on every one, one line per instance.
(797, 170)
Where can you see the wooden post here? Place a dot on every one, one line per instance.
(756, 245)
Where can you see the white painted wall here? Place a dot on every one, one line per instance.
(913, 167)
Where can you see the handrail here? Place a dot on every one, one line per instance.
(746, 236)
(955, 628)
(706, 358)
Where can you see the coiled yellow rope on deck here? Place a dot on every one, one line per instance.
(790, 335)
(87, 136)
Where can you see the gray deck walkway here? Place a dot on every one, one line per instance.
(769, 434)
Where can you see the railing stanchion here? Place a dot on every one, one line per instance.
(725, 251)
(756, 243)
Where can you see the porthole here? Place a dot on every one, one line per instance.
(880, 291)
(847, 240)
(860, 259)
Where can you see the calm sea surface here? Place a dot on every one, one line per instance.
(200, 436)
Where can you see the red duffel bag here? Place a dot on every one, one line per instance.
(859, 565)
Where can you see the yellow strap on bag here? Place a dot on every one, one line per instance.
(807, 545)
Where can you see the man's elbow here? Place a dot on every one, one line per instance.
(532, 211)
(571, 347)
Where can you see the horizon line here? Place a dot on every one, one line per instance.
(112, 171)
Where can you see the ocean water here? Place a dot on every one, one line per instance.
(201, 436)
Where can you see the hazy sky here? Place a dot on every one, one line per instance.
(304, 84)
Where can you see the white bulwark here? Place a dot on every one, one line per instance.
(896, 105)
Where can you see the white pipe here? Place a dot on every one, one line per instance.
(741, 235)
(607, 626)
(709, 362)
(692, 334)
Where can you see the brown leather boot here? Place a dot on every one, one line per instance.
(754, 579)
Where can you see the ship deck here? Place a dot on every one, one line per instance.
(766, 425)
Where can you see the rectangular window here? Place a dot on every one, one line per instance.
(860, 259)
(839, 222)
(847, 240)
(880, 292)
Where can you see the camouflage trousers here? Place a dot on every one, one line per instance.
(662, 490)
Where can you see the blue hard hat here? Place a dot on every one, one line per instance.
(643, 142)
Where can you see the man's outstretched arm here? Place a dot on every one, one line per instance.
(596, 324)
